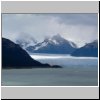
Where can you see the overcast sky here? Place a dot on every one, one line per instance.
(79, 28)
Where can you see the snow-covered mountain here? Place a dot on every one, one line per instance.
(25, 41)
(90, 49)
(53, 45)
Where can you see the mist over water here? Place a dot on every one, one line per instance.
(66, 60)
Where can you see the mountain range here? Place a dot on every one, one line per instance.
(13, 56)
(58, 45)
(53, 45)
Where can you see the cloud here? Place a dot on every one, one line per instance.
(80, 28)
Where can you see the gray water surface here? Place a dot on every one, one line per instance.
(50, 77)
(75, 72)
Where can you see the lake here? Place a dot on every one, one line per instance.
(76, 71)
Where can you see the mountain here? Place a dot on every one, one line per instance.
(53, 45)
(89, 50)
(25, 40)
(13, 56)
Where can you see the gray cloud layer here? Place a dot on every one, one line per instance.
(80, 28)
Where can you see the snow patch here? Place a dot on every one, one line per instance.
(55, 42)
(72, 44)
(42, 45)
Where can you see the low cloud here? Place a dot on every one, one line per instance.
(80, 28)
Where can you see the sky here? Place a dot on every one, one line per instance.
(79, 28)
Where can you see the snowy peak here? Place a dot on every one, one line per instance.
(57, 37)
(93, 44)
(53, 45)
(58, 40)
(89, 50)
(53, 40)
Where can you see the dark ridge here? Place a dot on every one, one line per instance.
(13, 56)
(89, 50)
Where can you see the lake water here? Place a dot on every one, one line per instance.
(76, 71)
